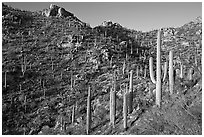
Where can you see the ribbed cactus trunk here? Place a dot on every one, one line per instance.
(5, 79)
(111, 106)
(165, 70)
(171, 73)
(88, 117)
(190, 74)
(114, 100)
(181, 70)
(73, 114)
(158, 83)
(125, 108)
(131, 92)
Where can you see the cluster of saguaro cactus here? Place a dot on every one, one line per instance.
(158, 80)
(182, 72)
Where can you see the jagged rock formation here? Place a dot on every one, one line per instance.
(55, 10)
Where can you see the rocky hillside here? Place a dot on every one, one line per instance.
(50, 60)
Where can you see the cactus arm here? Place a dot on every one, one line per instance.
(151, 70)
(165, 71)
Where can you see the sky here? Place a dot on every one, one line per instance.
(141, 16)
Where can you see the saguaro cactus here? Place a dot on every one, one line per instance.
(73, 114)
(190, 74)
(158, 70)
(171, 72)
(158, 83)
(181, 70)
(23, 65)
(113, 102)
(5, 79)
(88, 117)
(125, 108)
(111, 110)
(131, 92)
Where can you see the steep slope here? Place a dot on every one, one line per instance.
(48, 62)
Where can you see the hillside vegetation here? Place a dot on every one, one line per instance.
(48, 64)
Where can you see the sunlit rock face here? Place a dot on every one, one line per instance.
(55, 10)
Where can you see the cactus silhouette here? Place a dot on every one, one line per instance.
(125, 108)
(171, 72)
(113, 101)
(5, 79)
(88, 117)
(181, 70)
(190, 74)
(158, 80)
(131, 92)
(73, 114)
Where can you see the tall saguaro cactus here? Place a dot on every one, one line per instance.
(125, 108)
(171, 72)
(158, 80)
(113, 101)
(88, 117)
(131, 92)
(158, 83)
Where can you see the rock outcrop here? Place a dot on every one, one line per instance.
(55, 10)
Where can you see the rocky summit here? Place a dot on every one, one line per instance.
(57, 11)
(62, 77)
